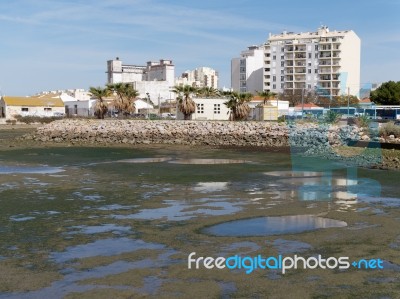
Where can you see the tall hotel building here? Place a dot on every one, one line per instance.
(328, 61)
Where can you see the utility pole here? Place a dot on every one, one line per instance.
(148, 105)
(302, 103)
(348, 102)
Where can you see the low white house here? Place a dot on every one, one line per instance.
(43, 106)
(208, 109)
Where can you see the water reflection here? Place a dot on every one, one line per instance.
(102, 247)
(208, 161)
(180, 210)
(29, 170)
(263, 226)
(144, 160)
(205, 187)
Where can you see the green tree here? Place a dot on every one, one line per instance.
(266, 95)
(208, 92)
(237, 103)
(125, 97)
(186, 105)
(100, 107)
(387, 94)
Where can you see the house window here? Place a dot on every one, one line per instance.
(200, 108)
(24, 109)
(217, 108)
(47, 109)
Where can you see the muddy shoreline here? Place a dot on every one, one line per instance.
(37, 136)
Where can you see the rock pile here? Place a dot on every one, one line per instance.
(214, 133)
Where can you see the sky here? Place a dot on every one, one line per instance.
(65, 44)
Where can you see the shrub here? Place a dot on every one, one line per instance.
(36, 119)
(389, 129)
(11, 121)
(362, 121)
(332, 117)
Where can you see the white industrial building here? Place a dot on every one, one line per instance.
(155, 79)
(247, 70)
(199, 77)
(328, 61)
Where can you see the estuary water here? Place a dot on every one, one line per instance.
(79, 219)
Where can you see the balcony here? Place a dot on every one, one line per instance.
(300, 56)
(300, 49)
(300, 71)
(325, 62)
(324, 71)
(289, 57)
(300, 78)
(323, 55)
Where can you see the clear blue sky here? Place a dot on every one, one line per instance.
(48, 44)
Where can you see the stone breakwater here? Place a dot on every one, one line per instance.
(312, 137)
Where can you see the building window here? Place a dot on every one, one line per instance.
(282, 72)
(309, 55)
(282, 78)
(282, 57)
(242, 77)
(274, 86)
(316, 71)
(274, 57)
(309, 86)
(316, 47)
(316, 55)
(24, 109)
(283, 49)
(282, 63)
(242, 69)
(217, 108)
(200, 108)
(273, 49)
(274, 78)
(309, 71)
(282, 85)
(48, 109)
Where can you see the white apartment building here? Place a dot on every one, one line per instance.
(156, 79)
(247, 70)
(199, 77)
(328, 61)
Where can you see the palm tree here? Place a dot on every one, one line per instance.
(100, 107)
(237, 103)
(186, 105)
(126, 96)
(208, 92)
(266, 95)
